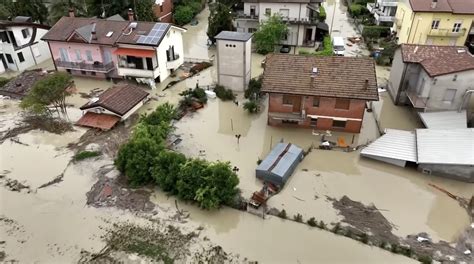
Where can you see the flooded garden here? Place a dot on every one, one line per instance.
(57, 209)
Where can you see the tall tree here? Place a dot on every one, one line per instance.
(220, 19)
(33, 8)
(269, 34)
(60, 8)
(144, 10)
(106, 8)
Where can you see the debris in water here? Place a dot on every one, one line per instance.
(422, 239)
(57, 179)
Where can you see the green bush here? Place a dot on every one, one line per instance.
(190, 178)
(3, 81)
(183, 14)
(253, 90)
(200, 95)
(336, 228)
(327, 47)
(86, 155)
(364, 238)
(298, 218)
(356, 10)
(425, 259)
(163, 114)
(312, 222)
(322, 225)
(375, 32)
(166, 170)
(322, 13)
(223, 93)
(251, 106)
(282, 214)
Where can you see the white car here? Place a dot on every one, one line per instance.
(338, 46)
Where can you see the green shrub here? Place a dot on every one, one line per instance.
(348, 233)
(336, 228)
(375, 32)
(364, 238)
(322, 13)
(312, 222)
(86, 155)
(282, 214)
(322, 225)
(163, 114)
(3, 81)
(200, 95)
(191, 178)
(327, 47)
(304, 52)
(183, 14)
(166, 170)
(253, 90)
(223, 93)
(298, 218)
(356, 10)
(251, 106)
(425, 259)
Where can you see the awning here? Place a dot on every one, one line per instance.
(101, 121)
(135, 52)
(322, 26)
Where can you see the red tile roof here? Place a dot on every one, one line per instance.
(341, 77)
(101, 121)
(438, 60)
(450, 6)
(118, 99)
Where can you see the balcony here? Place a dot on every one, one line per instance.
(388, 3)
(174, 63)
(304, 20)
(381, 17)
(242, 15)
(288, 116)
(83, 66)
(446, 32)
(140, 73)
(416, 100)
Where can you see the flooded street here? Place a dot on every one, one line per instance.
(54, 224)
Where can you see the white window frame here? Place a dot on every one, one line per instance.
(78, 55)
(435, 24)
(457, 26)
(89, 55)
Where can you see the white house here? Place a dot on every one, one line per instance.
(384, 11)
(432, 78)
(301, 16)
(21, 46)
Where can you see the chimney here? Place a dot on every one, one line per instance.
(94, 36)
(71, 12)
(366, 84)
(434, 3)
(130, 14)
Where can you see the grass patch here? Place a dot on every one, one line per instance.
(86, 155)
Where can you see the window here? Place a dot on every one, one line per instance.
(89, 55)
(252, 30)
(78, 55)
(287, 100)
(449, 95)
(64, 54)
(315, 101)
(161, 8)
(252, 10)
(435, 24)
(83, 72)
(284, 37)
(9, 58)
(4, 37)
(268, 11)
(25, 33)
(342, 103)
(20, 57)
(68, 70)
(339, 124)
(457, 27)
(291, 122)
(93, 73)
(313, 122)
(107, 56)
(36, 52)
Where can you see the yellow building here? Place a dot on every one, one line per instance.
(434, 22)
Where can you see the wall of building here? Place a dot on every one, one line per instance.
(295, 10)
(396, 75)
(457, 172)
(325, 113)
(231, 64)
(174, 37)
(71, 48)
(164, 10)
(416, 26)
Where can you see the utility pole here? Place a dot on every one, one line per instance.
(332, 19)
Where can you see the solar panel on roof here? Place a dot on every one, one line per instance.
(155, 34)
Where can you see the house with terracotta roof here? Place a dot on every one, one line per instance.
(21, 46)
(434, 22)
(431, 78)
(114, 48)
(323, 93)
(112, 106)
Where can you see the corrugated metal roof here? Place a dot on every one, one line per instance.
(444, 119)
(445, 146)
(280, 159)
(394, 144)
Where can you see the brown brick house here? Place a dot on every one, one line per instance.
(163, 10)
(324, 93)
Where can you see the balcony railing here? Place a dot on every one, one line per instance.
(83, 66)
(446, 32)
(295, 20)
(416, 100)
(245, 16)
(173, 63)
(381, 17)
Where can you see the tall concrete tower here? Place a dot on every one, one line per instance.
(234, 50)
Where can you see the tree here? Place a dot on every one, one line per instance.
(60, 8)
(191, 177)
(106, 8)
(51, 90)
(4, 12)
(269, 34)
(144, 10)
(33, 8)
(183, 14)
(163, 113)
(220, 19)
(166, 170)
(136, 159)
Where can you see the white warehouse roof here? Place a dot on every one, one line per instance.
(444, 119)
(445, 146)
(394, 144)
